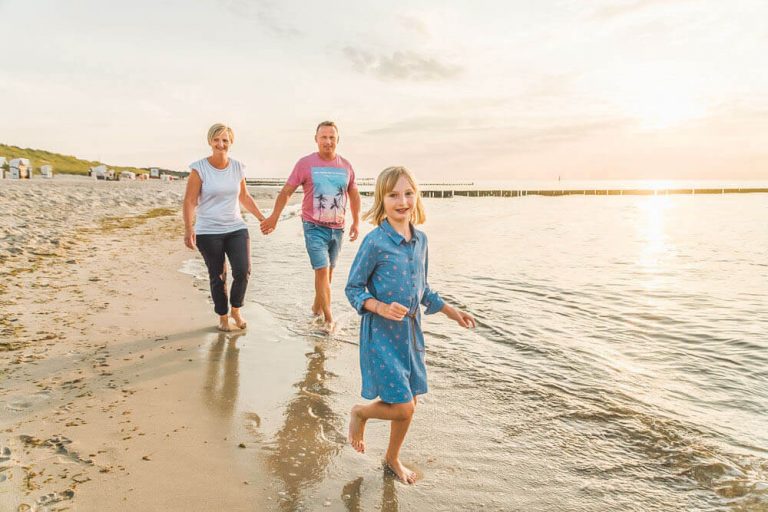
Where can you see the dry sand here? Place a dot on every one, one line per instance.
(103, 346)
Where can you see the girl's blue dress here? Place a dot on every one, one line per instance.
(392, 353)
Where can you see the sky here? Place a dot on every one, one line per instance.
(463, 90)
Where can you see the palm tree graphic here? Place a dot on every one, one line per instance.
(321, 199)
(335, 206)
(340, 194)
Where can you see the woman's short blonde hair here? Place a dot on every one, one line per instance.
(216, 129)
(384, 185)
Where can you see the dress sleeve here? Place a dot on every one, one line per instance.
(359, 275)
(431, 299)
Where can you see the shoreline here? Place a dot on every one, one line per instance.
(103, 339)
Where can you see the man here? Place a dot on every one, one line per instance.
(328, 181)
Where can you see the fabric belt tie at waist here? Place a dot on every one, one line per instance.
(412, 330)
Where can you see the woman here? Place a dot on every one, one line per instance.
(216, 189)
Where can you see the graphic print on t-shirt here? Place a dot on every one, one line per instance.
(330, 188)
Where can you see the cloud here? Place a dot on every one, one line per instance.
(263, 12)
(401, 65)
(506, 136)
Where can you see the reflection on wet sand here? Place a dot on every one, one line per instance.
(352, 493)
(222, 380)
(389, 492)
(309, 437)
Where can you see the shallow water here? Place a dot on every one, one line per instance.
(619, 361)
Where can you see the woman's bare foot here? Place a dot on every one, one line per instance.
(356, 429)
(224, 323)
(402, 473)
(239, 320)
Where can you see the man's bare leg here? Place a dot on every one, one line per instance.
(323, 293)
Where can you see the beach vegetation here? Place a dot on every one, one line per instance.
(109, 224)
(66, 164)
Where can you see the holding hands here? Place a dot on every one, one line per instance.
(268, 225)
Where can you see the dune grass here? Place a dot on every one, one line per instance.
(64, 164)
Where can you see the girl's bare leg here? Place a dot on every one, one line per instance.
(400, 415)
(397, 432)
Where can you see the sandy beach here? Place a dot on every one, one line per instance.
(101, 347)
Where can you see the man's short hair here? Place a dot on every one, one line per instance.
(327, 123)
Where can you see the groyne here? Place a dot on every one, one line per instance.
(448, 190)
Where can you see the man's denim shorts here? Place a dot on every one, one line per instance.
(323, 244)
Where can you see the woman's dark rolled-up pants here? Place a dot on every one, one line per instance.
(235, 246)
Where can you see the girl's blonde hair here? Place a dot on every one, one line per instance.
(216, 129)
(384, 185)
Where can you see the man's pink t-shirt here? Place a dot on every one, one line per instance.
(326, 185)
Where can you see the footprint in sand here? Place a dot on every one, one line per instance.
(5, 454)
(55, 497)
(19, 405)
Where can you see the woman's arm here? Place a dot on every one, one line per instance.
(268, 225)
(248, 202)
(191, 196)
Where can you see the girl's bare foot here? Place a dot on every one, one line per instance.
(356, 429)
(239, 320)
(224, 323)
(402, 473)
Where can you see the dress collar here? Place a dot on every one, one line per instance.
(397, 237)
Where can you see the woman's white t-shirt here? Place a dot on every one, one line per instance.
(218, 207)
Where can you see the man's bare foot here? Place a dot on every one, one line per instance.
(239, 320)
(356, 429)
(402, 473)
(224, 323)
(328, 327)
(317, 319)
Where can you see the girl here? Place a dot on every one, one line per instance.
(387, 283)
(215, 191)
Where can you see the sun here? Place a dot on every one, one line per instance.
(659, 96)
(659, 106)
